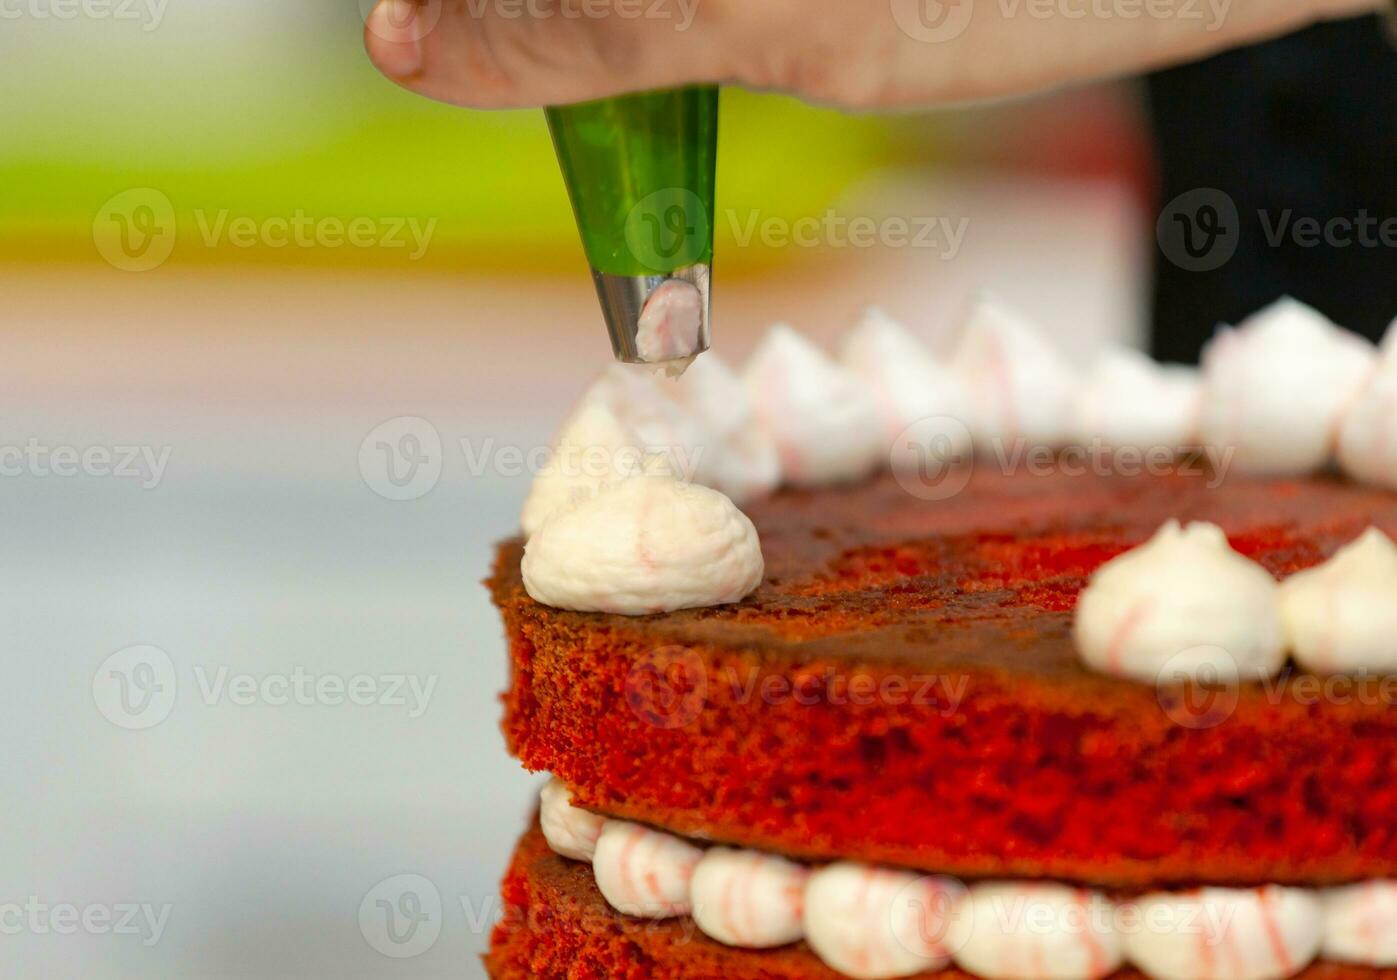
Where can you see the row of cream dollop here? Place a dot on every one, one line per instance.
(637, 510)
(1186, 605)
(869, 922)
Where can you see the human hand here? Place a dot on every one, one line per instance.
(853, 53)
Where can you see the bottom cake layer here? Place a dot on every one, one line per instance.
(557, 925)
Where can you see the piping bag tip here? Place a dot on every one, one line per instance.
(658, 320)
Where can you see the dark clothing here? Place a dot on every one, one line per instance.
(1301, 127)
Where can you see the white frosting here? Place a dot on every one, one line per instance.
(1020, 385)
(638, 399)
(822, 419)
(1035, 931)
(1128, 400)
(648, 544)
(670, 322)
(595, 448)
(746, 465)
(749, 899)
(1277, 386)
(570, 831)
(1225, 934)
(643, 872)
(870, 923)
(1360, 924)
(907, 383)
(1341, 617)
(1184, 604)
(1368, 437)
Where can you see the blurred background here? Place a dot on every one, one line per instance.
(279, 340)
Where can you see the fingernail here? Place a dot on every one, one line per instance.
(395, 43)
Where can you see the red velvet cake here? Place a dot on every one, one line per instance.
(902, 689)
(1056, 697)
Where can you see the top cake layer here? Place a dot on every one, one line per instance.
(902, 688)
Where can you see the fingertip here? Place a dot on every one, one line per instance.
(393, 34)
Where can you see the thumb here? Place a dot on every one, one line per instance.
(509, 53)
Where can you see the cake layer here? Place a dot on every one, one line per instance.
(902, 689)
(557, 925)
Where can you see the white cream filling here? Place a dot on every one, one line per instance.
(1368, 437)
(1128, 401)
(1276, 387)
(869, 922)
(1183, 605)
(1020, 385)
(822, 420)
(1341, 617)
(647, 544)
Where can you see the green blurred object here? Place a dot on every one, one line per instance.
(639, 170)
(636, 169)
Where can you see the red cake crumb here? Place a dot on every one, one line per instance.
(903, 689)
(556, 926)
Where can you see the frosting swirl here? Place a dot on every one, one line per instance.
(822, 419)
(1341, 617)
(746, 465)
(1277, 386)
(1368, 437)
(648, 544)
(1035, 931)
(1128, 400)
(908, 384)
(1254, 934)
(1020, 385)
(1184, 604)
